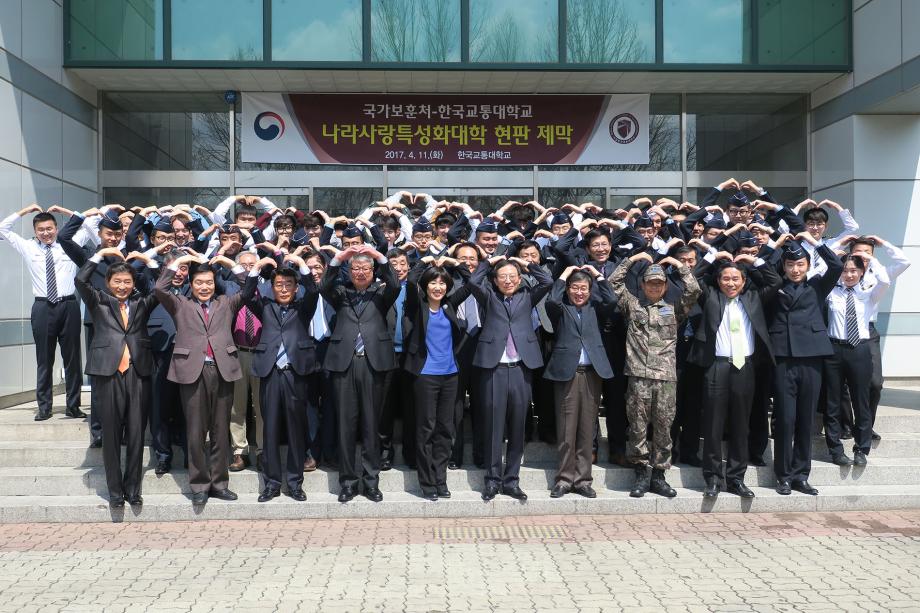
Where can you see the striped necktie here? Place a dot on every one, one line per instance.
(851, 324)
(50, 276)
(126, 355)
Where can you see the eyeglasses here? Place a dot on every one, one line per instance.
(815, 224)
(511, 277)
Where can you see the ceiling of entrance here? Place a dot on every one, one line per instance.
(353, 81)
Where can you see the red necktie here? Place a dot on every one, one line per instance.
(204, 311)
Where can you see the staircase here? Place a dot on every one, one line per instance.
(47, 474)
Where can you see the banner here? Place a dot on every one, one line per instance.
(451, 130)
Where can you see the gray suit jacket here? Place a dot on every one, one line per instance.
(573, 332)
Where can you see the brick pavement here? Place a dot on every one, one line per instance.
(862, 561)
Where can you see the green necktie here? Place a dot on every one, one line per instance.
(736, 333)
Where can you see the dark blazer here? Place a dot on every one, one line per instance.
(110, 335)
(794, 314)
(416, 314)
(193, 335)
(572, 332)
(498, 321)
(763, 283)
(371, 322)
(294, 330)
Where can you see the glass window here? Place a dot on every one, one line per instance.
(789, 196)
(116, 30)
(803, 32)
(151, 131)
(624, 201)
(345, 200)
(316, 31)
(742, 132)
(415, 30)
(707, 31)
(145, 196)
(610, 31)
(513, 31)
(558, 196)
(301, 202)
(664, 139)
(217, 30)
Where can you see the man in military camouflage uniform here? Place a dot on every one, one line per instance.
(651, 341)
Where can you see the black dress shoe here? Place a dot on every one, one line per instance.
(756, 461)
(268, 493)
(224, 494)
(433, 496)
(876, 436)
(841, 459)
(443, 492)
(162, 467)
(116, 502)
(738, 488)
(453, 466)
(559, 490)
(712, 487)
(136, 501)
(298, 494)
(199, 498)
(805, 487)
(96, 443)
(490, 492)
(42, 415)
(515, 492)
(75, 413)
(347, 494)
(782, 488)
(373, 494)
(585, 490)
(860, 459)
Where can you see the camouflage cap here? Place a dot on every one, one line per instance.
(655, 271)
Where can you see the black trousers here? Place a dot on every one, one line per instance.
(544, 407)
(206, 404)
(398, 404)
(796, 386)
(759, 428)
(358, 399)
(435, 397)
(123, 404)
(615, 405)
(167, 423)
(466, 389)
(850, 366)
(321, 419)
(283, 399)
(57, 324)
(875, 383)
(728, 394)
(95, 426)
(685, 431)
(505, 396)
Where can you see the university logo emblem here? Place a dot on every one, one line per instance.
(624, 128)
(268, 126)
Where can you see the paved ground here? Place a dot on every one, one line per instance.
(728, 562)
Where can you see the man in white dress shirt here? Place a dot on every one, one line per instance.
(55, 312)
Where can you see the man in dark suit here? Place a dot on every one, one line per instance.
(121, 363)
(205, 364)
(800, 343)
(360, 353)
(321, 418)
(732, 336)
(506, 353)
(282, 360)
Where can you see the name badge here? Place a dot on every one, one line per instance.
(666, 310)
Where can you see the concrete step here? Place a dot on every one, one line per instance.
(61, 481)
(178, 507)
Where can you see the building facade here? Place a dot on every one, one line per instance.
(125, 101)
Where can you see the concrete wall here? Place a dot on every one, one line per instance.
(47, 155)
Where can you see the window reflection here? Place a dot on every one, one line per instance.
(146, 196)
(316, 31)
(610, 31)
(707, 31)
(116, 30)
(345, 200)
(513, 31)
(415, 30)
(217, 30)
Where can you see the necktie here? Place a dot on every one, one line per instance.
(50, 277)
(736, 334)
(250, 326)
(510, 347)
(204, 311)
(469, 311)
(851, 324)
(318, 323)
(359, 309)
(126, 356)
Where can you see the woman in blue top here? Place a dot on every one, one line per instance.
(433, 337)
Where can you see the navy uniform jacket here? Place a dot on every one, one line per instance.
(573, 332)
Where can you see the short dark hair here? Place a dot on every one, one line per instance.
(284, 272)
(199, 269)
(43, 217)
(723, 265)
(118, 267)
(816, 212)
(526, 244)
(683, 250)
(285, 219)
(504, 264)
(445, 219)
(863, 240)
(857, 260)
(389, 223)
(310, 221)
(395, 252)
(579, 275)
(596, 233)
(245, 209)
(433, 273)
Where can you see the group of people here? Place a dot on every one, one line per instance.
(686, 323)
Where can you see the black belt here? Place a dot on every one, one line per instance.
(61, 299)
(584, 368)
(509, 364)
(246, 349)
(845, 343)
(721, 358)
